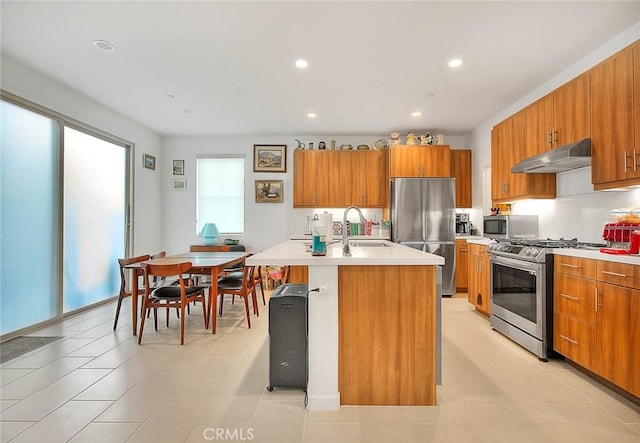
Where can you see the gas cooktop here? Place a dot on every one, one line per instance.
(536, 249)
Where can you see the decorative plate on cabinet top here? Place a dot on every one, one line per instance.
(346, 147)
(380, 144)
(362, 147)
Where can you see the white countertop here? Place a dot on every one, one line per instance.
(597, 255)
(479, 240)
(339, 237)
(295, 252)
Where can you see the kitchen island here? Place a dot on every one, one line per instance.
(372, 324)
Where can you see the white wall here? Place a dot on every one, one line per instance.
(31, 85)
(578, 211)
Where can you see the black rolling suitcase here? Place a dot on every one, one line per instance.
(288, 338)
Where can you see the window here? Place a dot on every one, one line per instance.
(220, 193)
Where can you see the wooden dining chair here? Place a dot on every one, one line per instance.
(243, 287)
(171, 296)
(124, 292)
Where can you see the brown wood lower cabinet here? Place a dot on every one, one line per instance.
(386, 335)
(298, 274)
(479, 283)
(462, 265)
(597, 318)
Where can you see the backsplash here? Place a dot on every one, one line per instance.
(576, 214)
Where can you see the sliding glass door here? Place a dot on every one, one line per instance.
(63, 222)
(94, 218)
(29, 227)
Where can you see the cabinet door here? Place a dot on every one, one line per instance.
(612, 121)
(517, 151)
(304, 179)
(462, 265)
(484, 298)
(575, 340)
(436, 161)
(613, 336)
(500, 162)
(575, 297)
(635, 344)
(571, 112)
(327, 177)
(350, 179)
(461, 171)
(374, 187)
(636, 93)
(539, 117)
(473, 281)
(406, 161)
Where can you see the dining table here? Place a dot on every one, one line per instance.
(202, 263)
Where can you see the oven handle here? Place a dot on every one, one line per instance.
(517, 264)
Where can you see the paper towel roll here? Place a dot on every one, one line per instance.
(326, 220)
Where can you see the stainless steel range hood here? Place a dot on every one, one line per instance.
(567, 157)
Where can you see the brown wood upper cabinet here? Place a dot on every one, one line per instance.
(420, 161)
(559, 118)
(615, 116)
(507, 149)
(329, 178)
(461, 170)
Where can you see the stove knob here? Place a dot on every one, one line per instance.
(534, 252)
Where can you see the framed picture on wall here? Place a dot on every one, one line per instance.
(149, 161)
(269, 158)
(269, 191)
(179, 185)
(178, 167)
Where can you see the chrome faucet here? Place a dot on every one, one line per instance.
(346, 250)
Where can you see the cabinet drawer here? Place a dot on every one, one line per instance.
(575, 340)
(620, 274)
(580, 267)
(575, 297)
(481, 250)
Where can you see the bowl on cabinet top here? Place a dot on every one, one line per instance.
(362, 147)
(346, 147)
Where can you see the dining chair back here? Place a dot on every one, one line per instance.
(244, 287)
(124, 292)
(171, 296)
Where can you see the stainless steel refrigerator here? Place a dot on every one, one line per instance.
(423, 216)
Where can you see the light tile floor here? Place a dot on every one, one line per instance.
(97, 385)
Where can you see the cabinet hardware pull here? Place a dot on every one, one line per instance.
(549, 139)
(569, 265)
(615, 274)
(575, 342)
(596, 298)
(625, 161)
(555, 136)
(635, 162)
(569, 297)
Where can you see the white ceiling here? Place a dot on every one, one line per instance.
(230, 65)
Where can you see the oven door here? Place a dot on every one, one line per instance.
(517, 293)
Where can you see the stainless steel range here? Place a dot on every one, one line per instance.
(522, 290)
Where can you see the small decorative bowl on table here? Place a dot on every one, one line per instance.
(231, 241)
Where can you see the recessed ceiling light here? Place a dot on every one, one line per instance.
(455, 63)
(312, 114)
(431, 94)
(416, 114)
(301, 64)
(171, 96)
(104, 45)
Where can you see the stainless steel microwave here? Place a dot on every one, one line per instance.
(510, 226)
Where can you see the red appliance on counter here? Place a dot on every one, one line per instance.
(617, 233)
